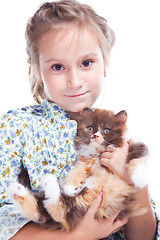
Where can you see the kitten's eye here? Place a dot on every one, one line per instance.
(106, 130)
(90, 129)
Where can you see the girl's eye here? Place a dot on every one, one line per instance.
(86, 63)
(57, 67)
(106, 130)
(90, 129)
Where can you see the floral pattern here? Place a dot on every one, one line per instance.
(40, 136)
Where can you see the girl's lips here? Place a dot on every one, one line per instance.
(78, 95)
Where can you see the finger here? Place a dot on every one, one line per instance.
(116, 230)
(94, 206)
(118, 223)
(125, 146)
(110, 148)
(106, 163)
(114, 216)
(106, 155)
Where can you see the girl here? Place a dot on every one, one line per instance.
(68, 48)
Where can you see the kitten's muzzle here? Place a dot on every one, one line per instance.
(97, 137)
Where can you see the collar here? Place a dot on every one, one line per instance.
(49, 109)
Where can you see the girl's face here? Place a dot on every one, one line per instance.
(71, 68)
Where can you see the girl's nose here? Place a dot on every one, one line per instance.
(75, 80)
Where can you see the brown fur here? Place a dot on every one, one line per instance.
(97, 129)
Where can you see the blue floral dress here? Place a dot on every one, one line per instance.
(42, 137)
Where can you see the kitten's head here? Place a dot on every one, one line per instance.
(97, 129)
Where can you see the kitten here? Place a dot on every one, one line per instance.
(62, 205)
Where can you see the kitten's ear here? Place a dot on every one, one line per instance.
(79, 115)
(121, 117)
(74, 115)
(86, 110)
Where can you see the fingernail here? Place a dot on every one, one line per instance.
(101, 194)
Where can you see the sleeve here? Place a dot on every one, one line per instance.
(157, 219)
(10, 221)
(11, 152)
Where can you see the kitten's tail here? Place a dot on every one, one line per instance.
(136, 150)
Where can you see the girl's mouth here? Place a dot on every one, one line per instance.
(77, 95)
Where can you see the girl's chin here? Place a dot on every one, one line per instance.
(78, 108)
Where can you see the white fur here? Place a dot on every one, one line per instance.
(51, 188)
(93, 148)
(89, 183)
(87, 151)
(71, 190)
(129, 136)
(139, 176)
(18, 190)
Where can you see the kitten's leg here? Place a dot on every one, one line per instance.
(53, 203)
(75, 180)
(25, 201)
(51, 188)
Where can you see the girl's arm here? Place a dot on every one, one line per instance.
(141, 227)
(88, 229)
(144, 226)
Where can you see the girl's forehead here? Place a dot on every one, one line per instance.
(73, 43)
(70, 35)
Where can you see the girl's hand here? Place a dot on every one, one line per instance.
(88, 229)
(115, 160)
(91, 229)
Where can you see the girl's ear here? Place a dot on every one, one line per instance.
(105, 69)
(121, 117)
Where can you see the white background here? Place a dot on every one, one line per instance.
(132, 81)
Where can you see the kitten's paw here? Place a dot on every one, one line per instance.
(139, 176)
(71, 190)
(51, 188)
(25, 201)
(17, 192)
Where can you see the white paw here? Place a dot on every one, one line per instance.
(16, 190)
(71, 190)
(51, 188)
(17, 193)
(139, 176)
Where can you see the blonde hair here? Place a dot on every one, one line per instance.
(53, 16)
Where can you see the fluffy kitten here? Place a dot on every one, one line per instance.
(62, 205)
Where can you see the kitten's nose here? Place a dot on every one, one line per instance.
(96, 135)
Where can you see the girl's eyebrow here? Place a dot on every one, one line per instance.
(53, 60)
(90, 55)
